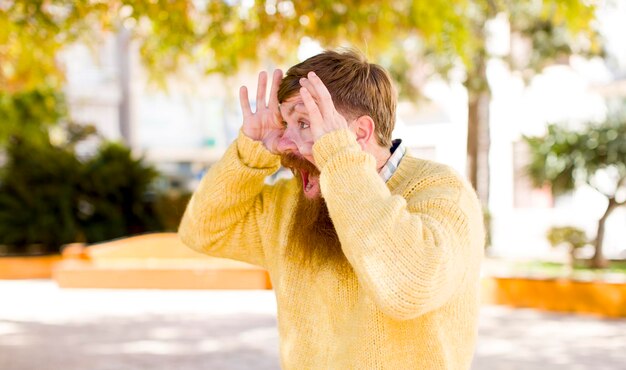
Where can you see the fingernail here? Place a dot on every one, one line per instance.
(312, 73)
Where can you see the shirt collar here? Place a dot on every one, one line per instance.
(397, 153)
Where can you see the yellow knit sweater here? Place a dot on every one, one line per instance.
(408, 299)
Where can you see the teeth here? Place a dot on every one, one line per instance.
(308, 186)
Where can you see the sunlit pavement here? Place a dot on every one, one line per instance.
(43, 327)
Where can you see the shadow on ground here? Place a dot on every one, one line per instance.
(227, 342)
(527, 339)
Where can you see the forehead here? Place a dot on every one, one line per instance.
(292, 106)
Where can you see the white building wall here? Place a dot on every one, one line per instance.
(92, 89)
(562, 94)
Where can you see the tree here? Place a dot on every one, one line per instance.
(49, 195)
(574, 238)
(30, 114)
(220, 36)
(38, 197)
(595, 156)
(215, 36)
(548, 31)
(114, 195)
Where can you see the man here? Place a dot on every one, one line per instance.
(373, 254)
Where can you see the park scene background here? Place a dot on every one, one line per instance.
(111, 112)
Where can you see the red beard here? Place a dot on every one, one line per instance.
(312, 240)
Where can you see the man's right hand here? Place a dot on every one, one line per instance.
(265, 124)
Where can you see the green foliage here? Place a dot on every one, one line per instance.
(30, 114)
(33, 32)
(564, 158)
(38, 196)
(555, 30)
(551, 159)
(220, 36)
(580, 269)
(113, 200)
(29, 40)
(49, 197)
(571, 236)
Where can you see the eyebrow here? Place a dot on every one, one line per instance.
(291, 109)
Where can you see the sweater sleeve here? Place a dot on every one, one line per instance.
(224, 215)
(409, 257)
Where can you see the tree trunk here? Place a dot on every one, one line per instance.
(571, 263)
(478, 133)
(124, 75)
(598, 260)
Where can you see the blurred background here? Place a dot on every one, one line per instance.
(112, 111)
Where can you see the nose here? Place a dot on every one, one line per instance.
(286, 144)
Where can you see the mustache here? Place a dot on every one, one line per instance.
(297, 163)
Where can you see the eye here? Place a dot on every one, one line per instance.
(284, 124)
(303, 125)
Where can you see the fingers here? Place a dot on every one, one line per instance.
(304, 82)
(320, 88)
(276, 79)
(319, 92)
(260, 91)
(318, 102)
(244, 102)
(315, 115)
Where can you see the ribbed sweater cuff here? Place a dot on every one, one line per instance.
(333, 143)
(254, 154)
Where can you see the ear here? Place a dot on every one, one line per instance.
(363, 127)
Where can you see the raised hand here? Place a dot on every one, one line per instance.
(265, 124)
(320, 107)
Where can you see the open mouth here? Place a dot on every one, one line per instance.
(309, 183)
(307, 171)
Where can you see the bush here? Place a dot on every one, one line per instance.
(38, 197)
(48, 197)
(573, 237)
(114, 198)
(30, 114)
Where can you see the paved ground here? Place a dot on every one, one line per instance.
(43, 327)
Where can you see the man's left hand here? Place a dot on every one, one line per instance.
(318, 102)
